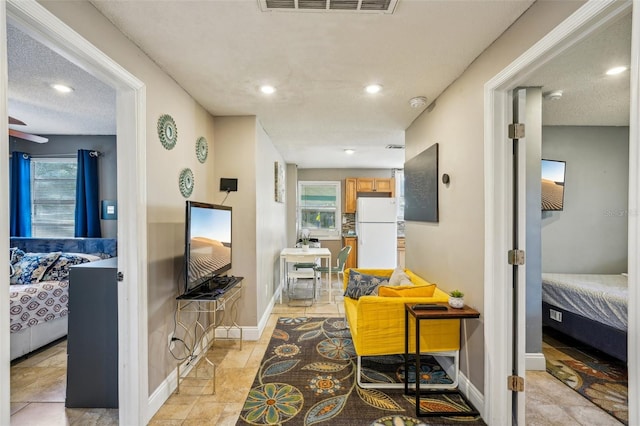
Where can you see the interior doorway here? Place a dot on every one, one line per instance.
(132, 259)
(498, 212)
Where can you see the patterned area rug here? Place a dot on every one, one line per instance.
(307, 377)
(596, 376)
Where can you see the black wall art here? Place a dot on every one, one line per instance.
(421, 186)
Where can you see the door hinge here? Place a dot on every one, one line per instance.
(516, 257)
(515, 383)
(120, 276)
(516, 131)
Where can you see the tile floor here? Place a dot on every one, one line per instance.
(38, 386)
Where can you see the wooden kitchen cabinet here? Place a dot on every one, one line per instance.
(376, 185)
(351, 195)
(352, 260)
(355, 186)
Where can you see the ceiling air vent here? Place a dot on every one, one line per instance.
(365, 6)
(394, 146)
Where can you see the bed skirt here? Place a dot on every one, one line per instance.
(607, 339)
(32, 338)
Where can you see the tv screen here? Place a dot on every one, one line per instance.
(553, 185)
(207, 250)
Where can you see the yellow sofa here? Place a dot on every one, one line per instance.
(377, 323)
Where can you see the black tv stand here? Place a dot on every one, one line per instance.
(212, 289)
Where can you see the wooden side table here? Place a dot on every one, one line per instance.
(420, 315)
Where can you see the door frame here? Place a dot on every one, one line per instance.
(132, 223)
(498, 204)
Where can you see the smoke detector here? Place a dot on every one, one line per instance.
(394, 146)
(553, 95)
(418, 102)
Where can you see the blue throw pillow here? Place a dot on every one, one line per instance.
(32, 267)
(363, 285)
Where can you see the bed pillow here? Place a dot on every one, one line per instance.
(363, 285)
(407, 291)
(59, 270)
(399, 277)
(15, 254)
(32, 267)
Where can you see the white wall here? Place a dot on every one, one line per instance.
(271, 221)
(451, 252)
(165, 208)
(590, 234)
(244, 151)
(236, 157)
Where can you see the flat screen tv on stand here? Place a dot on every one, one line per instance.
(207, 252)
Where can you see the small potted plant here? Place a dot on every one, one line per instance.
(305, 243)
(456, 299)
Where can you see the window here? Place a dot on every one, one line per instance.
(399, 176)
(319, 208)
(53, 197)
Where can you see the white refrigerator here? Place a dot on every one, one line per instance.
(377, 231)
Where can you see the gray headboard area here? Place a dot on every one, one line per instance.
(70, 245)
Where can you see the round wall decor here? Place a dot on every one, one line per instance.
(202, 149)
(167, 131)
(186, 182)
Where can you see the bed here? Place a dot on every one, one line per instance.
(591, 308)
(38, 290)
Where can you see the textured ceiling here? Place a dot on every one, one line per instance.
(88, 110)
(319, 63)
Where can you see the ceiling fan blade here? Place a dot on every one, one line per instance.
(27, 136)
(16, 121)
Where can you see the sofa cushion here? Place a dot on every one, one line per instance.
(32, 267)
(407, 291)
(363, 284)
(399, 277)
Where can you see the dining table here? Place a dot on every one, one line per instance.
(292, 255)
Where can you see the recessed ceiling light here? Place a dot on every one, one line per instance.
(62, 88)
(373, 88)
(349, 151)
(616, 70)
(267, 90)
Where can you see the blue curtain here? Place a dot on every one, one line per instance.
(87, 203)
(20, 198)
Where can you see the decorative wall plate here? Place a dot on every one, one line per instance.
(202, 149)
(186, 182)
(167, 131)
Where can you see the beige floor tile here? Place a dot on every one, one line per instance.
(43, 377)
(41, 414)
(14, 407)
(154, 422)
(592, 416)
(173, 412)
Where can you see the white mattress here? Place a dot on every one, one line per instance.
(33, 304)
(602, 298)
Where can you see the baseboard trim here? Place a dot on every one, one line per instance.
(472, 393)
(535, 362)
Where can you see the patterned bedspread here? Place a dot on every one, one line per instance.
(602, 298)
(37, 303)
